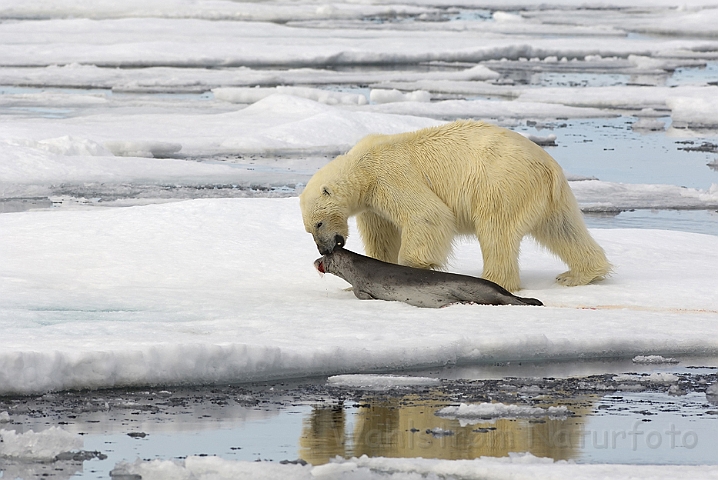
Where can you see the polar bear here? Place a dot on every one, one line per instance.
(413, 193)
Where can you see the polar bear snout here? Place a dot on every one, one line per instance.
(326, 247)
(338, 241)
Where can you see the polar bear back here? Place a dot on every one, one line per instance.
(476, 169)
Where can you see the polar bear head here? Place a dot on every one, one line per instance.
(325, 213)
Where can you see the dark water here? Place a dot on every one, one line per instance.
(608, 419)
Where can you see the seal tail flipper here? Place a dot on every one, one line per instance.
(500, 296)
(531, 301)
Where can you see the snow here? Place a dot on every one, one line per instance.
(598, 196)
(657, 377)
(193, 42)
(490, 109)
(169, 79)
(108, 148)
(252, 95)
(516, 466)
(210, 291)
(75, 160)
(275, 123)
(390, 96)
(627, 97)
(375, 382)
(653, 359)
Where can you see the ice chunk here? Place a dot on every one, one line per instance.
(547, 141)
(504, 17)
(649, 124)
(242, 94)
(647, 63)
(657, 377)
(57, 100)
(488, 109)
(379, 96)
(221, 469)
(42, 446)
(148, 149)
(381, 381)
(515, 465)
(252, 95)
(653, 359)
(694, 111)
(66, 145)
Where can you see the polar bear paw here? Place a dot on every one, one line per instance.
(572, 278)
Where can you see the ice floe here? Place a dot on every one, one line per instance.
(364, 467)
(380, 381)
(224, 290)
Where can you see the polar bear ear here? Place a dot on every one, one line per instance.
(326, 191)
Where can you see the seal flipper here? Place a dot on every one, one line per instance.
(362, 295)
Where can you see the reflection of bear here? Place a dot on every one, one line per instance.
(414, 192)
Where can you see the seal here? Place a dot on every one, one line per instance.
(373, 279)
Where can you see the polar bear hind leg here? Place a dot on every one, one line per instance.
(500, 246)
(565, 234)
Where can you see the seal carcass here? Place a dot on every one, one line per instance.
(374, 279)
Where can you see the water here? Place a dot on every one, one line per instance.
(694, 221)
(634, 422)
(610, 150)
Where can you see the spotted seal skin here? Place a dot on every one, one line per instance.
(374, 279)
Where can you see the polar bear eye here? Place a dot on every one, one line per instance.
(319, 225)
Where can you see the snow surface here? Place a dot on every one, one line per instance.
(376, 382)
(192, 42)
(272, 124)
(652, 359)
(516, 466)
(252, 95)
(657, 377)
(224, 290)
(114, 149)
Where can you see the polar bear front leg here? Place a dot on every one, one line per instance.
(381, 238)
(427, 236)
(500, 251)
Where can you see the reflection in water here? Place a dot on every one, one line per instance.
(405, 427)
(323, 434)
(13, 468)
